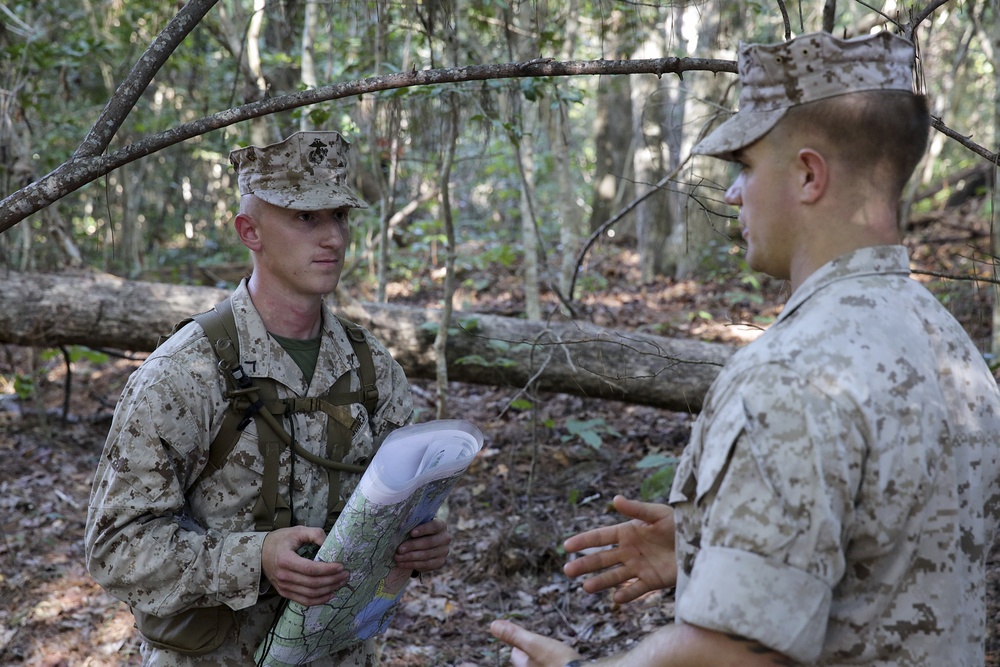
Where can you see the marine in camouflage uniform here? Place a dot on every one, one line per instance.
(841, 490)
(839, 496)
(163, 540)
(831, 504)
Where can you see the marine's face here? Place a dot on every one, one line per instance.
(304, 250)
(763, 193)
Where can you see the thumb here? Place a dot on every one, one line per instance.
(505, 631)
(637, 509)
(512, 634)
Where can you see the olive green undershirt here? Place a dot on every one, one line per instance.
(303, 352)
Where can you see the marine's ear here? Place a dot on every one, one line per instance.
(813, 175)
(246, 228)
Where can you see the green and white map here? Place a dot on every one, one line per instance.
(408, 479)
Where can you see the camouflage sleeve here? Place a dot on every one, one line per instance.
(777, 508)
(141, 544)
(395, 403)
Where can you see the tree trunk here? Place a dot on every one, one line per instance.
(613, 181)
(694, 237)
(448, 300)
(656, 216)
(987, 26)
(103, 311)
(308, 62)
(572, 225)
(258, 128)
(525, 154)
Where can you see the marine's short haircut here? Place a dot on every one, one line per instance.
(873, 132)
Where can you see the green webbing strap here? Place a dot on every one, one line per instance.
(271, 408)
(366, 366)
(259, 401)
(270, 510)
(211, 322)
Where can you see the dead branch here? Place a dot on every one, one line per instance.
(82, 169)
(135, 84)
(88, 163)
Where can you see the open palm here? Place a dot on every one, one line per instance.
(642, 551)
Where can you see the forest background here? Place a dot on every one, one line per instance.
(524, 159)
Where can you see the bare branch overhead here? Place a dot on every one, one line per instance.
(89, 162)
(84, 168)
(132, 88)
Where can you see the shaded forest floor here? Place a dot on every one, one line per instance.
(547, 472)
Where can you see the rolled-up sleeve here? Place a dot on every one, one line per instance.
(766, 510)
(783, 608)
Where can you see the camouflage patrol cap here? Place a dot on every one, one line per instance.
(807, 68)
(306, 172)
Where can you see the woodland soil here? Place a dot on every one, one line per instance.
(547, 471)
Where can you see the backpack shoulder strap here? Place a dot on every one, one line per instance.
(219, 325)
(366, 366)
(177, 327)
(225, 343)
(270, 511)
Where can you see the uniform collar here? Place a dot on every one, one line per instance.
(262, 356)
(874, 260)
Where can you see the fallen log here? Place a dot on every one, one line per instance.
(103, 311)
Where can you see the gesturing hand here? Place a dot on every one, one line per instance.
(643, 551)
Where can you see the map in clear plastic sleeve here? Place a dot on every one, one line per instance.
(408, 479)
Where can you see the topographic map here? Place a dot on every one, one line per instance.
(410, 476)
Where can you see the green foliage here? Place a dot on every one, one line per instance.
(76, 353)
(721, 260)
(591, 431)
(532, 89)
(656, 486)
(458, 326)
(501, 348)
(24, 386)
(592, 283)
(735, 296)
(521, 404)
(62, 60)
(502, 254)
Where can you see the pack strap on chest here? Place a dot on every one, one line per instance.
(257, 400)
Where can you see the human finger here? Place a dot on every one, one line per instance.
(594, 562)
(642, 511)
(429, 528)
(430, 542)
(631, 592)
(607, 579)
(315, 591)
(598, 537)
(423, 561)
(425, 553)
(537, 650)
(309, 582)
(278, 552)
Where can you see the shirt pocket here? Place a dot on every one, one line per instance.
(225, 498)
(704, 461)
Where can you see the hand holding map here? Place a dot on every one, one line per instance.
(408, 479)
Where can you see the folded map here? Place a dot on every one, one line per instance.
(408, 479)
